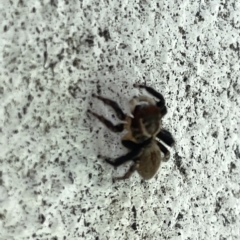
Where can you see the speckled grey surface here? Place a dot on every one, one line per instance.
(54, 55)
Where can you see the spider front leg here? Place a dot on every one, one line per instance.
(159, 96)
(115, 128)
(114, 105)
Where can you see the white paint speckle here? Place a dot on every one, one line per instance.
(3, 194)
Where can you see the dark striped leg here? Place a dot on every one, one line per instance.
(166, 137)
(114, 105)
(135, 152)
(129, 144)
(159, 96)
(115, 128)
(128, 174)
(125, 158)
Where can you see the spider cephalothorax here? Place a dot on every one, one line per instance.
(142, 130)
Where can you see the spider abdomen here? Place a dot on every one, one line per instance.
(149, 162)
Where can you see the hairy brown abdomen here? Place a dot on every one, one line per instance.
(149, 162)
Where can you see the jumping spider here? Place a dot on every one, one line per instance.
(143, 130)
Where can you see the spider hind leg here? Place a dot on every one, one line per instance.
(128, 174)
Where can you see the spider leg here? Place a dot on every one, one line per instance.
(166, 137)
(114, 105)
(125, 158)
(159, 96)
(130, 144)
(165, 152)
(115, 128)
(128, 174)
(135, 152)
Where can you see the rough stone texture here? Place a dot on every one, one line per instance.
(54, 55)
